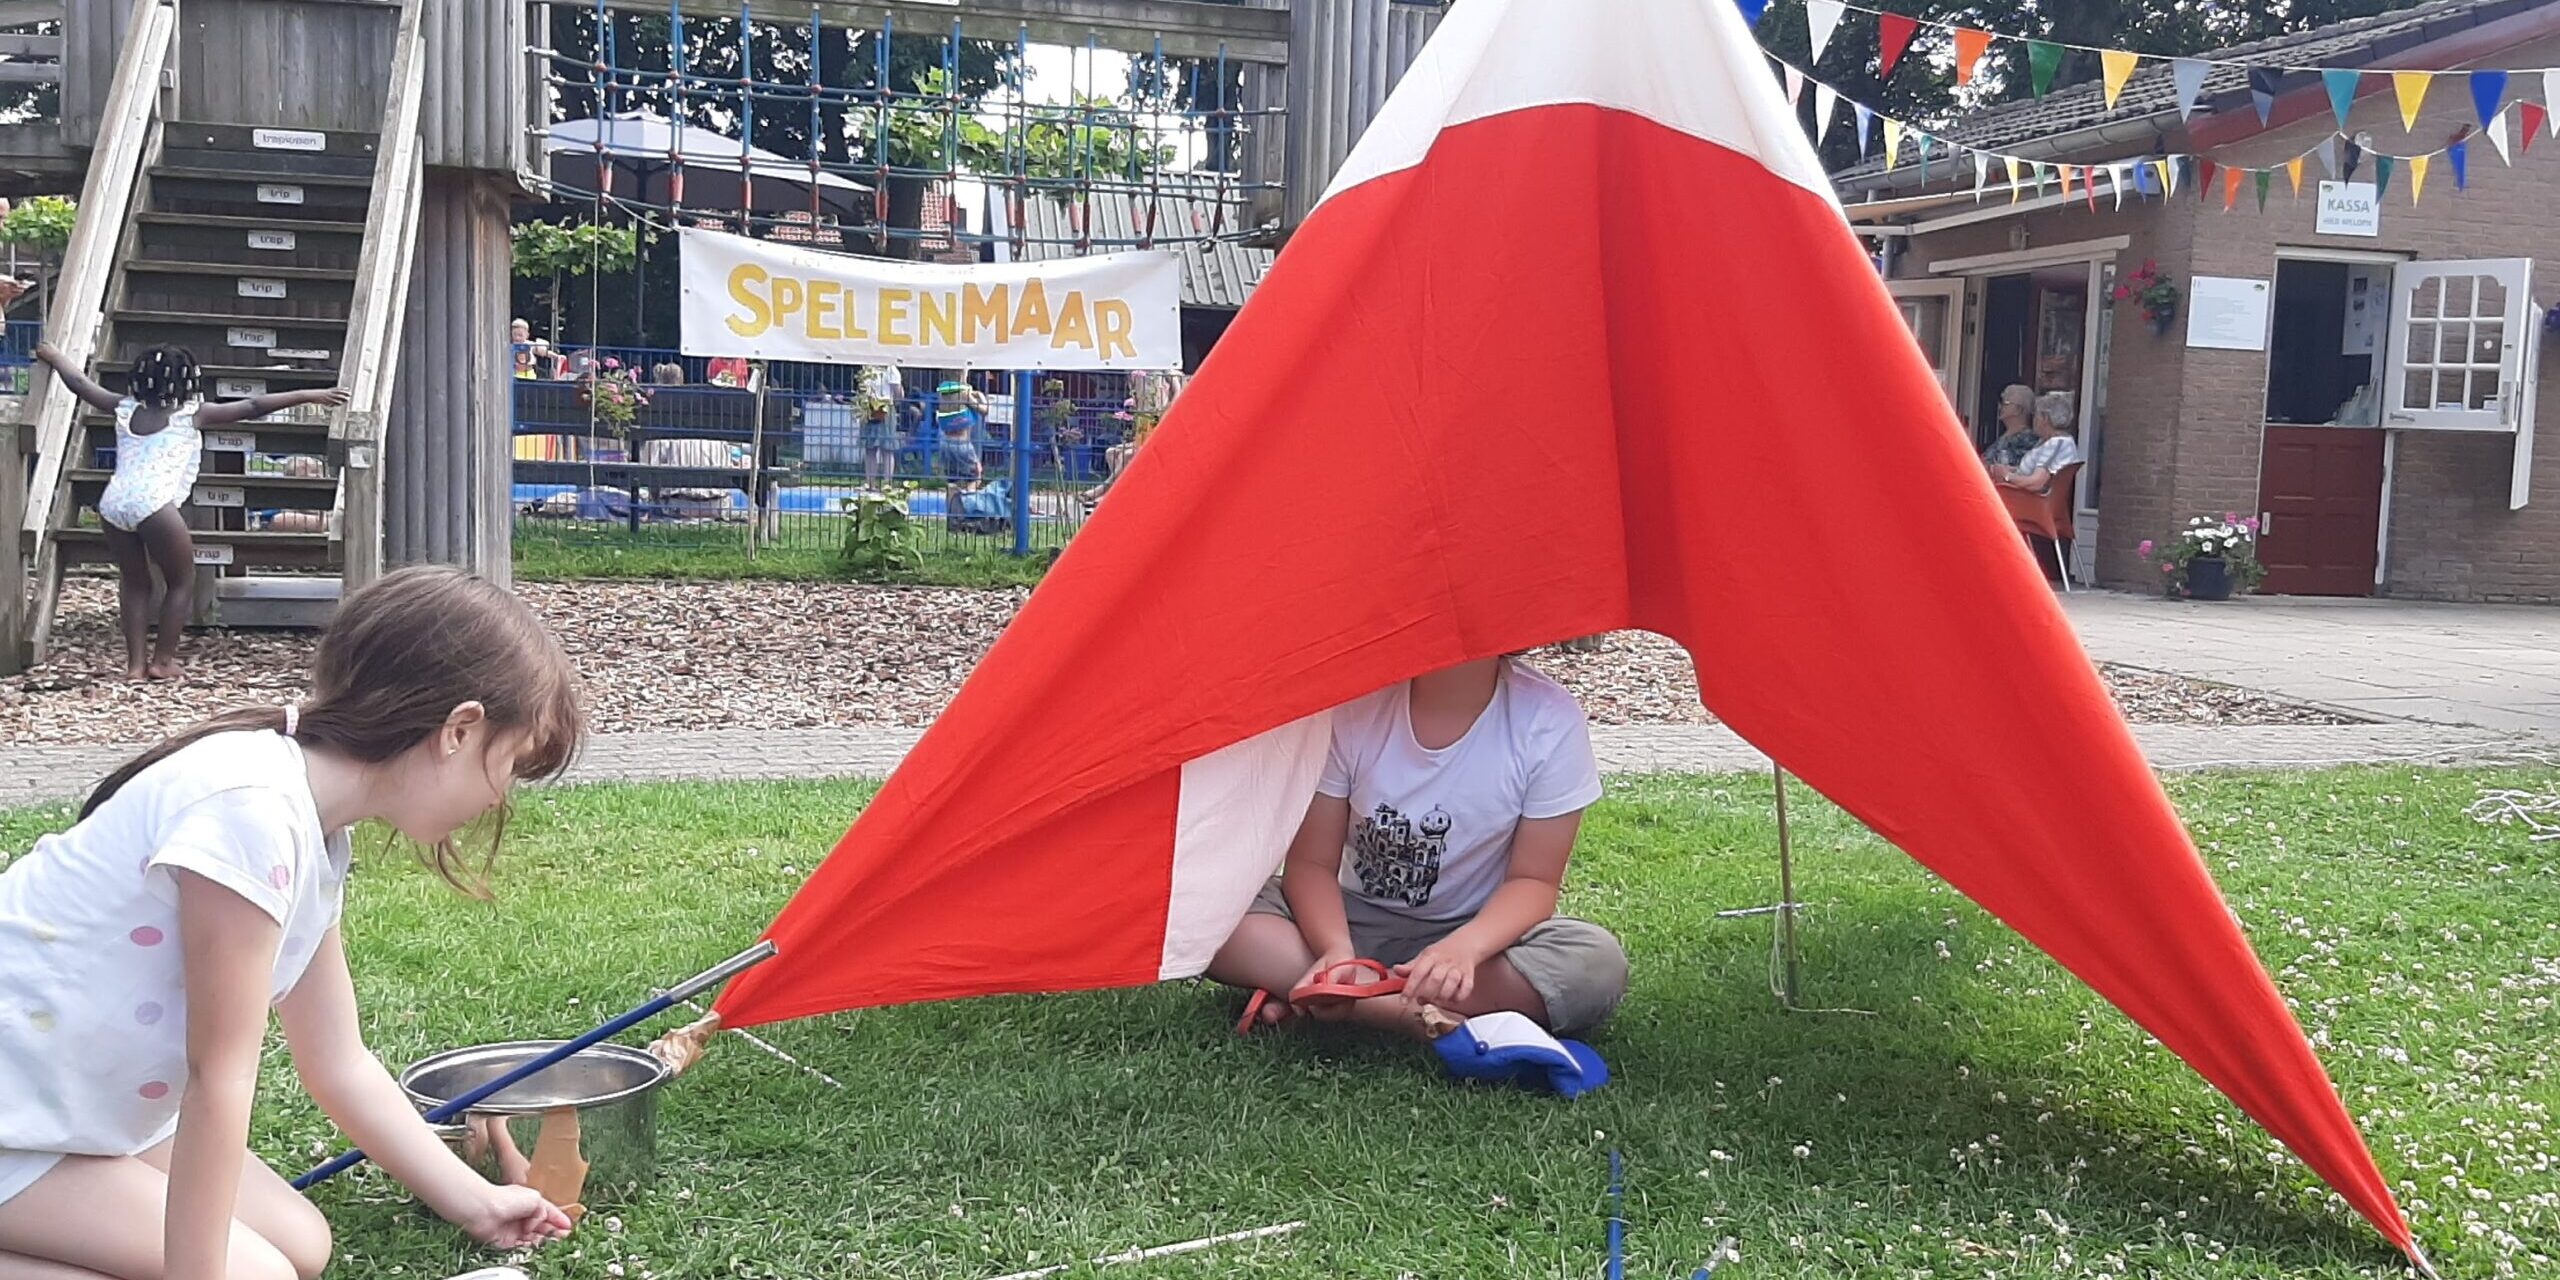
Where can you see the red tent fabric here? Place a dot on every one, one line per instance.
(1577, 342)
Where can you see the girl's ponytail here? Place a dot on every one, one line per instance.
(232, 721)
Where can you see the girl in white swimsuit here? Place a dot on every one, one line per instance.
(159, 440)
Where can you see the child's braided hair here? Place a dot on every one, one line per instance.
(165, 377)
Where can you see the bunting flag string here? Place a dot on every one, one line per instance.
(1896, 33)
(2157, 175)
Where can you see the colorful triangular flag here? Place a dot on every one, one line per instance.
(2230, 189)
(1923, 142)
(1893, 35)
(2551, 97)
(1752, 10)
(1826, 105)
(2498, 136)
(2014, 179)
(1892, 141)
(2350, 154)
(2115, 66)
(1981, 174)
(1795, 86)
(1969, 46)
(2342, 92)
(2043, 58)
(2411, 88)
(2293, 170)
(2262, 92)
(2381, 174)
(2460, 154)
(2329, 159)
(2115, 179)
(2488, 90)
(1821, 18)
(2529, 121)
(2265, 178)
(2418, 176)
(2203, 175)
(2188, 74)
(2168, 177)
(1866, 127)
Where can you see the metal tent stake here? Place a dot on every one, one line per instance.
(1790, 984)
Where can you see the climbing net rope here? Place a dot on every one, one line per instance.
(868, 138)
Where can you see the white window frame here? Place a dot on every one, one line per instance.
(1950, 355)
(2515, 276)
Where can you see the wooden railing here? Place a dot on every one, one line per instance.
(369, 366)
(128, 138)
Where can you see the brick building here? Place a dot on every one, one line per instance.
(2358, 366)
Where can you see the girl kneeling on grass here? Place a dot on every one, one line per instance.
(141, 950)
(1433, 853)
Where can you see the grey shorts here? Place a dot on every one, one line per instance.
(1578, 968)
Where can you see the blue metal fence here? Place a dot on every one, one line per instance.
(684, 461)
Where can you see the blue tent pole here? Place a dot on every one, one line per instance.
(1023, 381)
(681, 992)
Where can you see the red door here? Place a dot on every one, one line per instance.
(2320, 490)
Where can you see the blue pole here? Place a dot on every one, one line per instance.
(686, 990)
(1617, 1218)
(1022, 384)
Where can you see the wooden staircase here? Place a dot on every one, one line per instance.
(279, 257)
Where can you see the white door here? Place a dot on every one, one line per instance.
(1934, 311)
(2460, 335)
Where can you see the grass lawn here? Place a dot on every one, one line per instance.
(563, 551)
(1990, 1118)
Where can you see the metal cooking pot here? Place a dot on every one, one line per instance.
(582, 1132)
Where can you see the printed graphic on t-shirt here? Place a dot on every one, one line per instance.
(1398, 858)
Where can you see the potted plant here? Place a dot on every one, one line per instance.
(2154, 291)
(613, 396)
(2209, 559)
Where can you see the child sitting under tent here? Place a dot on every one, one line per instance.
(1421, 888)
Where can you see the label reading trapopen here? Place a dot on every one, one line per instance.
(289, 140)
(278, 193)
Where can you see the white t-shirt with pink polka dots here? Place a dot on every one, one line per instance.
(93, 1012)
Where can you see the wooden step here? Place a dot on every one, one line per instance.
(232, 338)
(240, 492)
(273, 437)
(263, 150)
(302, 600)
(265, 293)
(235, 381)
(308, 198)
(261, 242)
(87, 544)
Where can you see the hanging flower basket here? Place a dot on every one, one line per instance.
(2151, 289)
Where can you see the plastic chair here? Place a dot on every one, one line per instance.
(2047, 515)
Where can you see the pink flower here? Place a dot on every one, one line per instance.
(611, 363)
(2145, 548)
(2168, 568)
(2250, 524)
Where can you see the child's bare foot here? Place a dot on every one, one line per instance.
(137, 671)
(166, 669)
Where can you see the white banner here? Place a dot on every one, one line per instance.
(766, 301)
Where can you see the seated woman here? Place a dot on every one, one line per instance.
(2017, 427)
(1434, 850)
(2054, 448)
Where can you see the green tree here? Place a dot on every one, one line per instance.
(555, 251)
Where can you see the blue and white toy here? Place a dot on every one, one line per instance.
(1508, 1048)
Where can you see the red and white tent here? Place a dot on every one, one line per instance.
(1578, 341)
